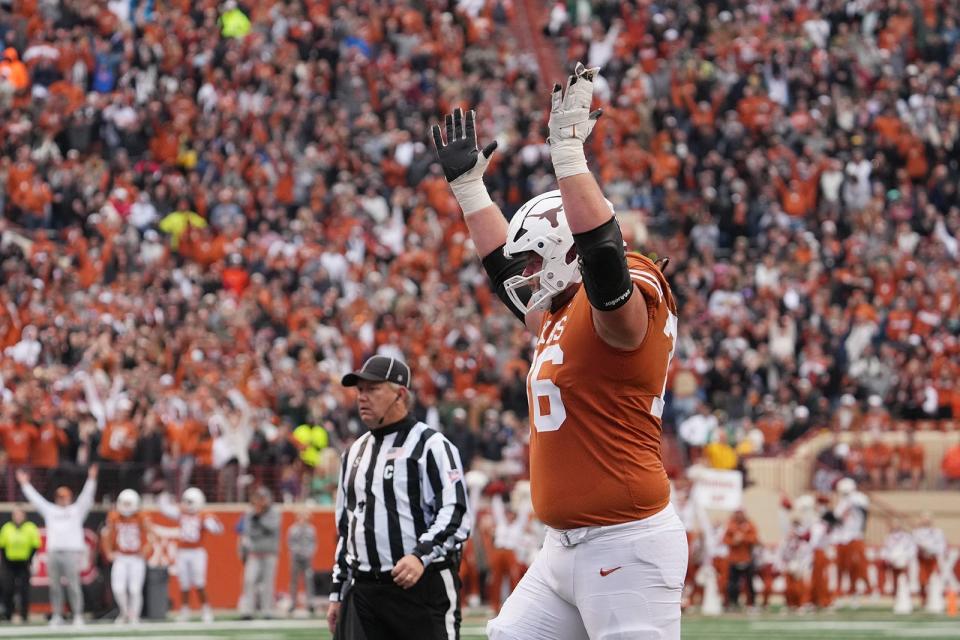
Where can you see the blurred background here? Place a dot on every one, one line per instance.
(212, 210)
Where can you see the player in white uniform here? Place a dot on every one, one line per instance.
(126, 545)
(191, 554)
(931, 551)
(795, 553)
(851, 511)
(508, 540)
(899, 552)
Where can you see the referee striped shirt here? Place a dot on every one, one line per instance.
(401, 491)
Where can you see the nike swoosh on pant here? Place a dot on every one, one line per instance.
(605, 572)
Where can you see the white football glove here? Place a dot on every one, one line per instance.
(571, 122)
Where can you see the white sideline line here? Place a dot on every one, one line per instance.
(849, 625)
(927, 633)
(84, 634)
(97, 630)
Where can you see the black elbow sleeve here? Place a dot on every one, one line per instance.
(603, 265)
(499, 269)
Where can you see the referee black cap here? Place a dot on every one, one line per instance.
(380, 369)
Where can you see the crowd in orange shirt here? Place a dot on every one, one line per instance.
(198, 242)
(823, 135)
(202, 234)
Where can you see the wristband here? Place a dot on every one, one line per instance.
(471, 195)
(568, 158)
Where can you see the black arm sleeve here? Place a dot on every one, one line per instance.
(603, 265)
(499, 268)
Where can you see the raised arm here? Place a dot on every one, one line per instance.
(498, 510)
(167, 508)
(710, 538)
(94, 403)
(32, 495)
(85, 500)
(620, 317)
(784, 513)
(463, 165)
(212, 524)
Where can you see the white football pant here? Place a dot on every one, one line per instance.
(621, 582)
(126, 580)
(192, 568)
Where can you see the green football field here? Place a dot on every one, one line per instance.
(843, 625)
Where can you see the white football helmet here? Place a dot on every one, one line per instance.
(193, 500)
(805, 509)
(128, 503)
(540, 226)
(805, 503)
(846, 486)
(476, 480)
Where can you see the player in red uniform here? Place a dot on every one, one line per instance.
(126, 545)
(615, 554)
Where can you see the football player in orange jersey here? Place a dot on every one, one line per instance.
(126, 545)
(615, 554)
(191, 553)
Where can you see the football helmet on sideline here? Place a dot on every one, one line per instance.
(193, 500)
(128, 503)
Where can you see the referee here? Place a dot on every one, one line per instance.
(402, 516)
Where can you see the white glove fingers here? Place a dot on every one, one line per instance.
(584, 95)
(571, 122)
(556, 98)
(568, 95)
(458, 123)
(584, 92)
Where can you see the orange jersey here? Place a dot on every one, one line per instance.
(46, 450)
(118, 441)
(127, 535)
(193, 529)
(595, 456)
(18, 441)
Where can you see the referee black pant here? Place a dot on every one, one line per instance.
(377, 609)
(738, 572)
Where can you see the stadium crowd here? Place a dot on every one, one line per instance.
(800, 161)
(211, 211)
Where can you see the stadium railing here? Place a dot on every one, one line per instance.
(218, 485)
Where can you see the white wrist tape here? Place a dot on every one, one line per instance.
(471, 194)
(568, 158)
